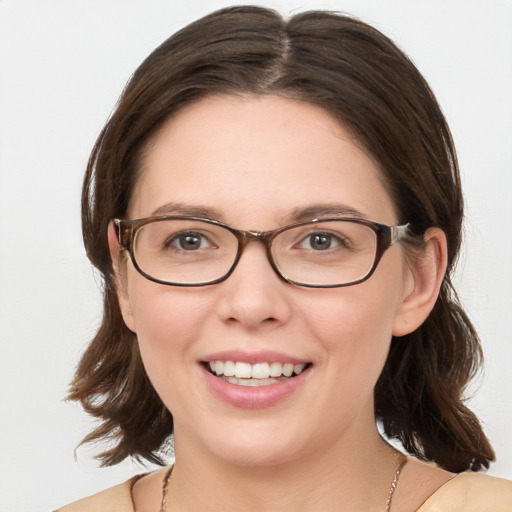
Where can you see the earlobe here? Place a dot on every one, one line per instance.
(426, 275)
(122, 293)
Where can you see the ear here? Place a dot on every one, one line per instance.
(425, 276)
(121, 288)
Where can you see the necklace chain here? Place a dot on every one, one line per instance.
(165, 489)
(394, 484)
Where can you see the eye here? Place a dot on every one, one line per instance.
(322, 241)
(188, 241)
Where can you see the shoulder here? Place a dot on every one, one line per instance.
(114, 499)
(471, 492)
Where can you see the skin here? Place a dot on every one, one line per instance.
(255, 161)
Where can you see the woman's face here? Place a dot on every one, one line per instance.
(257, 163)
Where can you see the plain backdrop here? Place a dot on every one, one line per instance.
(63, 64)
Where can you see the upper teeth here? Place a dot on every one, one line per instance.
(255, 371)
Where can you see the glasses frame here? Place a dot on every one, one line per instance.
(386, 237)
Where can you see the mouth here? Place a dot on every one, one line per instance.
(254, 375)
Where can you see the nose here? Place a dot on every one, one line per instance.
(254, 296)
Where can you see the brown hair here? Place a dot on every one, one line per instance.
(359, 76)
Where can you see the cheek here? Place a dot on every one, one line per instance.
(168, 321)
(354, 326)
(350, 315)
(161, 312)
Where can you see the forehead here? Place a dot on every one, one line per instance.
(259, 157)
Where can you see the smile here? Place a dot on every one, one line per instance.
(258, 374)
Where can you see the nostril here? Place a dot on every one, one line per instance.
(266, 321)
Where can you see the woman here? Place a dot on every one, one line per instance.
(275, 207)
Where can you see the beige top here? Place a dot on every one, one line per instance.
(466, 492)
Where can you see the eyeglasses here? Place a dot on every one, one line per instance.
(192, 251)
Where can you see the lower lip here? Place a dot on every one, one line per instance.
(246, 397)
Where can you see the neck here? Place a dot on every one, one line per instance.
(352, 474)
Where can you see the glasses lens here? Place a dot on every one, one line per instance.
(325, 253)
(184, 251)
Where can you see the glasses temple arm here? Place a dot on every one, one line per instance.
(398, 233)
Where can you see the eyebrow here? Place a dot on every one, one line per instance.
(175, 208)
(326, 210)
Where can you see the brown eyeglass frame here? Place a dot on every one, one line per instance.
(386, 237)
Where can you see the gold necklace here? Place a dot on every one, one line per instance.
(394, 484)
(165, 486)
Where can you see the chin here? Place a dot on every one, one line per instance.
(257, 443)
